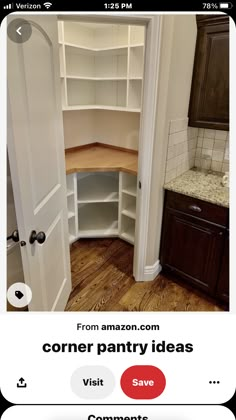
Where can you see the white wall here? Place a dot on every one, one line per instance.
(78, 128)
(183, 51)
(113, 128)
(117, 128)
(177, 57)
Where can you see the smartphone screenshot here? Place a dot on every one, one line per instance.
(117, 292)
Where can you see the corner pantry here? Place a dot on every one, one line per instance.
(101, 71)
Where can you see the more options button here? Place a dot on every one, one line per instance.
(143, 382)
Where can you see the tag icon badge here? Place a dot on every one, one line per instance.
(19, 294)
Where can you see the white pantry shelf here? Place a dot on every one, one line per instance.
(107, 232)
(129, 206)
(119, 49)
(137, 45)
(72, 229)
(98, 187)
(129, 184)
(109, 198)
(101, 209)
(127, 230)
(69, 193)
(129, 213)
(97, 78)
(72, 239)
(131, 190)
(71, 214)
(98, 219)
(104, 107)
(128, 236)
(101, 66)
(72, 211)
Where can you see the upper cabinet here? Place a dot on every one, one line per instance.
(209, 101)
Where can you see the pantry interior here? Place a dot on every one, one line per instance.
(101, 69)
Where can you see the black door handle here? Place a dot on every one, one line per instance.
(14, 236)
(39, 237)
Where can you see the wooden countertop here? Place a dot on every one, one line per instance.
(99, 158)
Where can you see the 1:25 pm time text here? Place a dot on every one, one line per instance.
(113, 6)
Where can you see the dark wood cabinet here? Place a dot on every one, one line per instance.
(193, 246)
(209, 100)
(223, 282)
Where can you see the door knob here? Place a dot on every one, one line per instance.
(14, 236)
(39, 237)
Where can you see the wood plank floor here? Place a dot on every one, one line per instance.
(102, 281)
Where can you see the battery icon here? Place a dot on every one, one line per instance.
(225, 5)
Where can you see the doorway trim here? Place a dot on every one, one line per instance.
(146, 147)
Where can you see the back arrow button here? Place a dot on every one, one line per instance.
(19, 30)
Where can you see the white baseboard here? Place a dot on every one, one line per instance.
(151, 271)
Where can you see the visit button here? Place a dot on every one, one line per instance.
(143, 382)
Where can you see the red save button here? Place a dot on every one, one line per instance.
(143, 382)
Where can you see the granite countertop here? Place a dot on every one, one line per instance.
(206, 187)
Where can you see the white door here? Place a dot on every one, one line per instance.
(36, 154)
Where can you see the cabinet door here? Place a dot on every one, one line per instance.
(209, 102)
(223, 282)
(191, 248)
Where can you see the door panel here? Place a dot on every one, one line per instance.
(40, 92)
(36, 154)
(52, 252)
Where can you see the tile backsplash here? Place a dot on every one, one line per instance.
(181, 148)
(214, 143)
(186, 146)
